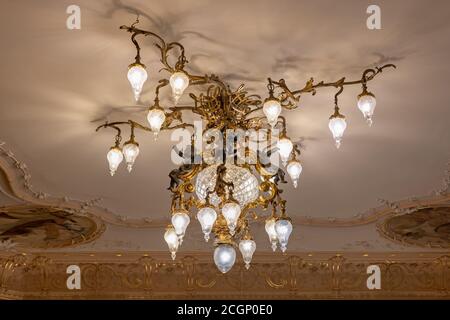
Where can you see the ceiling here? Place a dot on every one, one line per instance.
(57, 85)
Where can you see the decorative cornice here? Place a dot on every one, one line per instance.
(139, 275)
(19, 180)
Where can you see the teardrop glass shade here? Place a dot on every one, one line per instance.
(179, 81)
(367, 104)
(156, 118)
(270, 229)
(130, 151)
(337, 127)
(247, 248)
(171, 238)
(180, 222)
(285, 147)
(231, 212)
(272, 109)
(207, 217)
(283, 229)
(294, 169)
(137, 75)
(224, 257)
(114, 157)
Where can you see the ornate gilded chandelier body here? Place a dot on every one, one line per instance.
(223, 186)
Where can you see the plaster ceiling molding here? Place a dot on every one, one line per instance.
(43, 227)
(426, 227)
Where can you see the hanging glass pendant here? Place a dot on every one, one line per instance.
(170, 236)
(283, 228)
(272, 109)
(114, 158)
(285, 147)
(231, 212)
(130, 151)
(137, 75)
(294, 169)
(180, 222)
(247, 248)
(179, 81)
(224, 257)
(337, 127)
(207, 216)
(270, 229)
(156, 118)
(367, 104)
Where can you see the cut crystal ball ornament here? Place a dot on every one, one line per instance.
(270, 229)
(179, 81)
(180, 222)
(172, 241)
(294, 169)
(130, 151)
(247, 248)
(156, 118)
(283, 228)
(366, 104)
(224, 257)
(337, 127)
(285, 147)
(272, 109)
(231, 212)
(245, 184)
(207, 216)
(114, 158)
(137, 77)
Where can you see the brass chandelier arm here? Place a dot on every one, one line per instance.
(310, 87)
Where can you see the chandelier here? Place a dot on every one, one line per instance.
(224, 186)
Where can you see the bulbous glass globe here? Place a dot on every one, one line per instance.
(180, 222)
(294, 169)
(270, 229)
(114, 158)
(367, 104)
(137, 77)
(207, 217)
(247, 248)
(156, 118)
(224, 257)
(171, 238)
(337, 127)
(272, 109)
(285, 147)
(283, 229)
(179, 81)
(130, 151)
(245, 184)
(231, 212)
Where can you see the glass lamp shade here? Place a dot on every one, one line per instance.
(294, 169)
(156, 118)
(180, 222)
(337, 127)
(272, 109)
(179, 81)
(207, 216)
(366, 104)
(231, 212)
(170, 236)
(114, 158)
(247, 248)
(224, 257)
(283, 229)
(270, 229)
(285, 147)
(130, 151)
(137, 77)
(245, 184)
